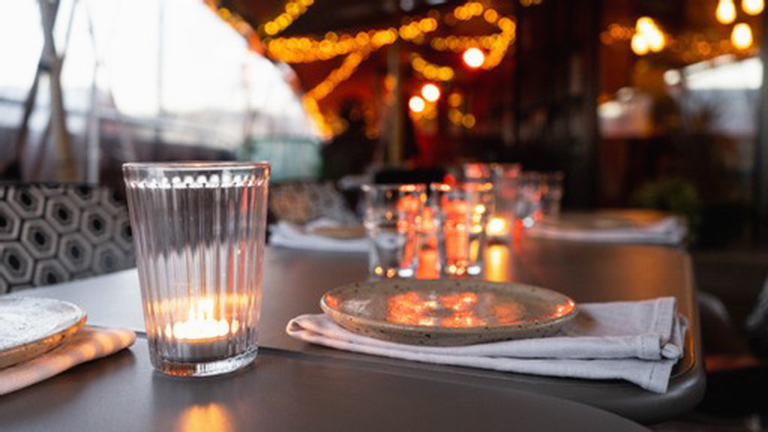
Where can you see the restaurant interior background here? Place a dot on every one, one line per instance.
(641, 103)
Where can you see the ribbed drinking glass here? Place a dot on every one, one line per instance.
(199, 232)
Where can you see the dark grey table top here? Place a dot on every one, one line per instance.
(295, 280)
(282, 392)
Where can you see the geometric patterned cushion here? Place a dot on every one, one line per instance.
(56, 233)
(302, 202)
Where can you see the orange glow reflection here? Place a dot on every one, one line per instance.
(411, 309)
(463, 319)
(429, 267)
(508, 312)
(452, 310)
(497, 267)
(332, 302)
(564, 309)
(456, 232)
(460, 302)
(205, 418)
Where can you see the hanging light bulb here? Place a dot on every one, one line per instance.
(430, 92)
(639, 44)
(416, 104)
(473, 57)
(752, 7)
(725, 12)
(656, 40)
(645, 25)
(741, 37)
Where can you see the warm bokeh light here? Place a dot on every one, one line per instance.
(639, 44)
(430, 92)
(741, 37)
(752, 7)
(725, 12)
(293, 10)
(648, 37)
(455, 99)
(468, 121)
(645, 24)
(416, 104)
(497, 226)
(473, 57)
(656, 40)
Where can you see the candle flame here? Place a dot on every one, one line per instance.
(497, 226)
(201, 323)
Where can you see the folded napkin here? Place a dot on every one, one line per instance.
(668, 231)
(288, 235)
(635, 341)
(88, 344)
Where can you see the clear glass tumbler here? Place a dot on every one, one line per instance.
(462, 212)
(392, 222)
(526, 207)
(551, 187)
(199, 233)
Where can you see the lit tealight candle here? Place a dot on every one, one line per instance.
(202, 336)
(497, 227)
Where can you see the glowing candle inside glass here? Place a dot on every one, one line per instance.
(202, 336)
(498, 228)
(201, 324)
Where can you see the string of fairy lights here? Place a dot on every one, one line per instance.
(647, 36)
(478, 52)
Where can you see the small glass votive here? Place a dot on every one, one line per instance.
(199, 232)
(461, 212)
(392, 221)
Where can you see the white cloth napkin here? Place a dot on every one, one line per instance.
(288, 235)
(635, 341)
(88, 344)
(668, 231)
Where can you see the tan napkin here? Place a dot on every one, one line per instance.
(88, 344)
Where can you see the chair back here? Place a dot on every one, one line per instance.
(52, 233)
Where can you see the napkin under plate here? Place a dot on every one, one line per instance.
(638, 342)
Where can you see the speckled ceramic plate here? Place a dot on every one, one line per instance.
(343, 232)
(447, 312)
(32, 326)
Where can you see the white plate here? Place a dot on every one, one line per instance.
(447, 312)
(32, 326)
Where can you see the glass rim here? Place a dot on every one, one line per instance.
(194, 165)
(485, 186)
(405, 187)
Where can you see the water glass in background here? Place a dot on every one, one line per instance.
(551, 187)
(505, 179)
(392, 221)
(526, 205)
(461, 215)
